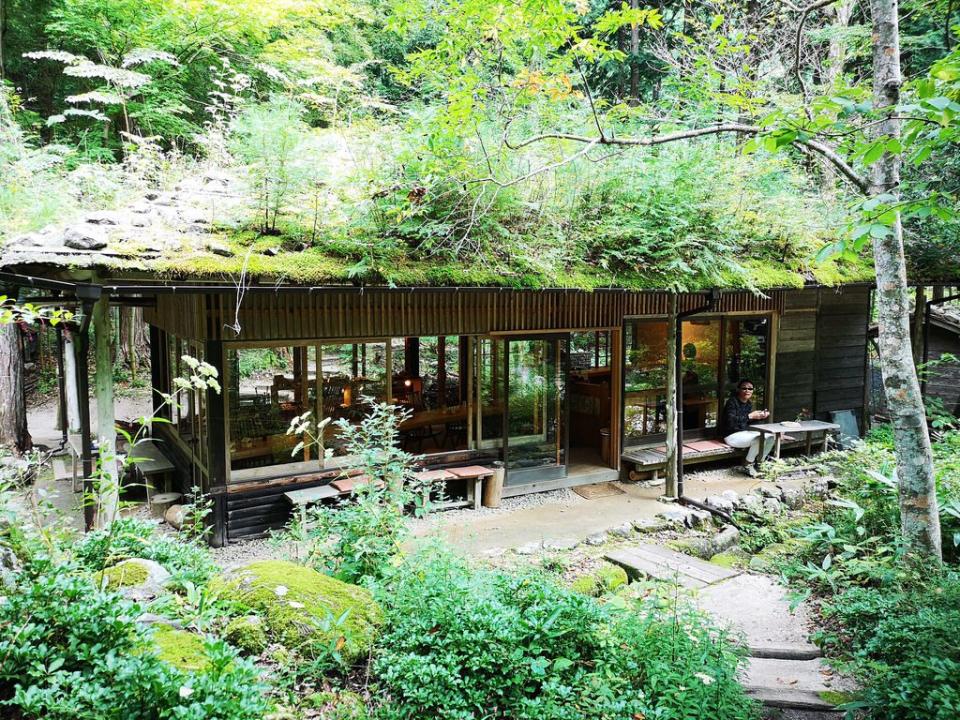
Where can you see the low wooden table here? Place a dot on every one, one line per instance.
(807, 427)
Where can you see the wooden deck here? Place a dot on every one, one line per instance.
(652, 458)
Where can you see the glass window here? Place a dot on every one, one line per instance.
(645, 380)
(490, 376)
(268, 387)
(700, 364)
(747, 341)
(589, 350)
(353, 373)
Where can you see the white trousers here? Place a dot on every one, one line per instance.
(751, 439)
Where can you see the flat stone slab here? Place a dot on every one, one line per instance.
(661, 563)
(795, 651)
(792, 684)
(758, 607)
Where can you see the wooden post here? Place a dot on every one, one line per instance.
(442, 372)
(108, 494)
(216, 436)
(673, 451)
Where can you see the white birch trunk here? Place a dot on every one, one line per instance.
(70, 382)
(920, 522)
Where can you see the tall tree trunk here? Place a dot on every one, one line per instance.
(108, 490)
(13, 400)
(920, 522)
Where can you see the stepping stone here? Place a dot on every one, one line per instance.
(795, 651)
(662, 563)
(790, 684)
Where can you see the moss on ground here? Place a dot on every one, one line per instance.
(303, 609)
(181, 649)
(606, 579)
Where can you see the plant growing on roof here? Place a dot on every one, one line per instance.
(268, 137)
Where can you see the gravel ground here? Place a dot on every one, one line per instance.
(247, 551)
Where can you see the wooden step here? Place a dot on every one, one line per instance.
(660, 563)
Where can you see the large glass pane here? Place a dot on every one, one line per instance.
(645, 380)
(426, 381)
(746, 351)
(268, 388)
(353, 374)
(490, 376)
(535, 404)
(700, 364)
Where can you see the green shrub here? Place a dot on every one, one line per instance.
(72, 652)
(463, 643)
(903, 644)
(187, 562)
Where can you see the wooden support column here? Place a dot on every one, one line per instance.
(442, 371)
(108, 499)
(82, 367)
(158, 380)
(216, 437)
(673, 450)
(411, 356)
(616, 396)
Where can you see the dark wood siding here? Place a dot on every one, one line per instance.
(291, 316)
(796, 352)
(944, 381)
(841, 351)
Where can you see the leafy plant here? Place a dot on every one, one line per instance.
(132, 538)
(358, 539)
(72, 652)
(465, 643)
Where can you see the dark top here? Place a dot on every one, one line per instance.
(736, 415)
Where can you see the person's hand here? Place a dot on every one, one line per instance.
(759, 415)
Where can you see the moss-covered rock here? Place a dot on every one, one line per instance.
(181, 649)
(248, 634)
(338, 706)
(585, 585)
(608, 578)
(136, 579)
(303, 609)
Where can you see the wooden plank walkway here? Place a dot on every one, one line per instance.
(661, 563)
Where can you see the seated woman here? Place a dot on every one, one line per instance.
(737, 414)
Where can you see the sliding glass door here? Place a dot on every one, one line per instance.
(535, 411)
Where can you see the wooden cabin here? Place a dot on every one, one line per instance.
(564, 387)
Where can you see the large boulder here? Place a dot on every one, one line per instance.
(302, 608)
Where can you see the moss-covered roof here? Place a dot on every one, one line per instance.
(173, 235)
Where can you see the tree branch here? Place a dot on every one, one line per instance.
(827, 152)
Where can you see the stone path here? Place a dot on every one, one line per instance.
(784, 670)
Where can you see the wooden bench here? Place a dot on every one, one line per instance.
(472, 475)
